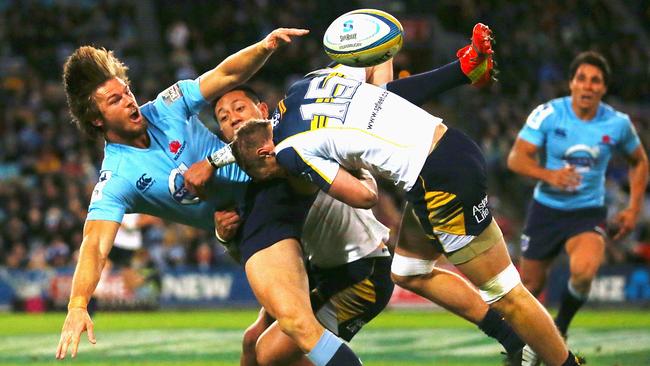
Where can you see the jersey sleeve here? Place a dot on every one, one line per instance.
(310, 166)
(534, 131)
(629, 139)
(355, 73)
(110, 199)
(182, 99)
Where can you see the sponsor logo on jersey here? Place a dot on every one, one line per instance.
(144, 182)
(583, 157)
(177, 188)
(376, 108)
(171, 94)
(481, 211)
(104, 177)
(174, 146)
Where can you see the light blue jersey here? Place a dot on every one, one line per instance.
(587, 145)
(151, 180)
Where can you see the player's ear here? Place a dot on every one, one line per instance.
(98, 122)
(265, 150)
(264, 109)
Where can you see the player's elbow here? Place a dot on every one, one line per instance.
(513, 162)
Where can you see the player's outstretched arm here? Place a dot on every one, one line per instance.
(238, 68)
(97, 242)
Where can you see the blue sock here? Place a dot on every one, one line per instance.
(331, 351)
(421, 88)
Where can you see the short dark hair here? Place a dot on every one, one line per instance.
(592, 58)
(83, 72)
(247, 89)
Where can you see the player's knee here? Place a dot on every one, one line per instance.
(251, 335)
(296, 324)
(500, 285)
(583, 273)
(265, 358)
(534, 284)
(408, 272)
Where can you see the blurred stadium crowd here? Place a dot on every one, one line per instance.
(48, 169)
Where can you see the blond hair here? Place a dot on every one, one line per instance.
(83, 72)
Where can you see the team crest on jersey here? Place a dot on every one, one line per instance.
(171, 94)
(144, 182)
(606, 140)
(177, 148)
(174, 146)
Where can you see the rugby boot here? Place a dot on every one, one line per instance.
(477, 58)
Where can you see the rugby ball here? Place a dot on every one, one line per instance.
(364, 37)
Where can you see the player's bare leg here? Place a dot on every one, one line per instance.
(276, 348)
(521, 310)
(444, 288)
(533, 274)
(251, 335)
(278, 278)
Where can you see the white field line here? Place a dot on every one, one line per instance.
(420, 343)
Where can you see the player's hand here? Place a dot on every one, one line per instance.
(566, 179)
(197, 176)
(76, 322)
(227, 223)
(625, 221)
(281, 36)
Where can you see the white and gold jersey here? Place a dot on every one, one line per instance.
(331, 118)
(335, 233)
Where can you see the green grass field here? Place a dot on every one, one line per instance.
(395, 338)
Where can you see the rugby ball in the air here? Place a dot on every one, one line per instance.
(364, 37)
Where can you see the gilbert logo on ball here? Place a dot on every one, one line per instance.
(364, 37)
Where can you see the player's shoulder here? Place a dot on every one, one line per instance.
(608, 112)
(357, 73)
(546, 113)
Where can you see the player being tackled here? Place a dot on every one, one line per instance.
(477, 58)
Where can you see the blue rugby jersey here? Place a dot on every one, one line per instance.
(151, 180)
(588, 145)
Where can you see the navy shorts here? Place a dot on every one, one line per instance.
(547, 229)
(346, 297)
(450, 196)
(273, 212)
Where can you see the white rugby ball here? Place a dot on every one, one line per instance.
(364, 37)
